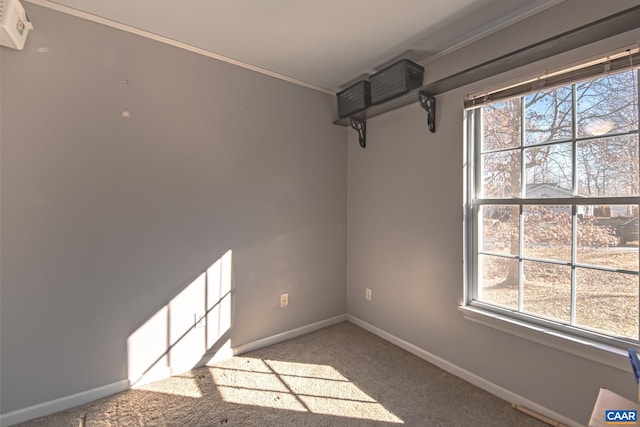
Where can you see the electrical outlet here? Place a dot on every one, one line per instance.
(284, 300)
(367, 294)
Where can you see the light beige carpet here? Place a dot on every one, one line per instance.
(340, 375)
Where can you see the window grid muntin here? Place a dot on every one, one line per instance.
(474, 204)
(559, 141)
(611, 339)
(559, 262)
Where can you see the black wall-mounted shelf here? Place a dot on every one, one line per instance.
(376, 110)
(358, 121)
(609, 26)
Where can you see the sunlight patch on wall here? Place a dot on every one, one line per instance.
(147, 349)
(177, 337)
(186, 338)
(218, 316)
(303, 387)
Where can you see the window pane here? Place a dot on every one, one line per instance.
(607, 302)
(600, 230)
(501, 174)
(499, 281)
(608, 104)
(548, 115)
(547, 232)
(626, 233)
(575, 262)
(608, 166)
(500, 229)
(548, 171)
(501, 125)
(547, 290)
(617, 213)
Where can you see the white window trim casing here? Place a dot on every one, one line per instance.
(596, 351)
(609, 352)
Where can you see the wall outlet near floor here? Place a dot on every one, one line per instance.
(367, 294)
(284, 300)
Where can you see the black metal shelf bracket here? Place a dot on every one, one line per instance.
(428, 102)
(613, 25)
(361, 127)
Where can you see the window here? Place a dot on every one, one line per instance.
(553, 185)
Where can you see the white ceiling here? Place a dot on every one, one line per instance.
(322, 43)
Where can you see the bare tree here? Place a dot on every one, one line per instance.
(537, 132)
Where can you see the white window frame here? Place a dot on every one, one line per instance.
(608, 350)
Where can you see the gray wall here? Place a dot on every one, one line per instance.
(405, 232)
(105, 219)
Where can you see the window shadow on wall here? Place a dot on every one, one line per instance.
(189, 330)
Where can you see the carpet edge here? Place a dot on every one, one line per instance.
(283, 336)
(459, 372)
(67, 402)
(62, 403)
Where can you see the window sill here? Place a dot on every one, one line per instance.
(614, 357)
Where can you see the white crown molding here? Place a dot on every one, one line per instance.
(166, 40)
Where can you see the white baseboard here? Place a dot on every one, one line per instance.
(274, 339)
(62, 403)
(67, 402)
(470, 377)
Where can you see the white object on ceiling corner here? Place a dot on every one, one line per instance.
(14, 24)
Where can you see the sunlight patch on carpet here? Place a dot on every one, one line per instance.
(303, 387)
